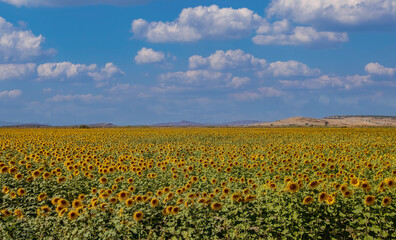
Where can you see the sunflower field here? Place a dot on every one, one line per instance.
(190, 183)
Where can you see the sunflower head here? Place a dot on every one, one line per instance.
(308, 200)
(72, 215)
(216, 206)
(137, 216)
(369, 200)
(386, 201)
(322, 197)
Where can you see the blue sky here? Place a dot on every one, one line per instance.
(135, 62)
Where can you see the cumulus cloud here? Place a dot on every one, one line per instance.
(236, 82)
(288, 69)
(77, 97)
(230, 59)
(107, 72)
(196, 78)
(200, 22)
(19, 45)
(63, 69)
(326, 81)
(238, 59)
(378, 69)
(62, 3)
(148, 55)
(9, 71)
(336, 12)
(301, 36)
(258, 94)
(10, 94)
(69, 70)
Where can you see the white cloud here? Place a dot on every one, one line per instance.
(69, 70)
(18, 45)
(11, 93)
(148, 55)
(325, 81)
(61, 3)
(200, 22)
(83, 97)
(230, 59)
(8, 71)
(258, 94)
(378, 69)
(63, 69)
(236, 82)
(336, 12)
(197, 78)
(107, 72)
(301, 36)
(289, 69)
(239, 60)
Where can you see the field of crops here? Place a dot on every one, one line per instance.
(208, 183)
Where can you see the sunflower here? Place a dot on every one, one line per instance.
(46, 175)
(18, 213)
(365, 186)
(390, 182)
(63, 203)
(113, 200)
(41, 197)
(175, 210)
(330, 200)
(5, 213)
(77, 203)
(250, 198)
(36, 173)
(308, 200)
(216, 206)
(168, 209)
(60, 179)
(103, 180)
(81, 197)
(137, 216)
(55, 200)
(18, 176)
(46, 209)
(72, 215)
(292, 187)
(154, 202)
(386, 201)
(62, 212)
(369, 200)
(129, 202)
(347, 193)
(355, 182)
(21, 192)
(322, 197)
(123, 195)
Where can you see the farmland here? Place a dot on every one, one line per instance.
(188, 183)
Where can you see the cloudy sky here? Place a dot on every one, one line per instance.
(147, 61)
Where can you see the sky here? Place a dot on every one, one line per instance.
(138, 62)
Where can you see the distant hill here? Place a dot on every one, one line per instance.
(185, 123)
(334, 121)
